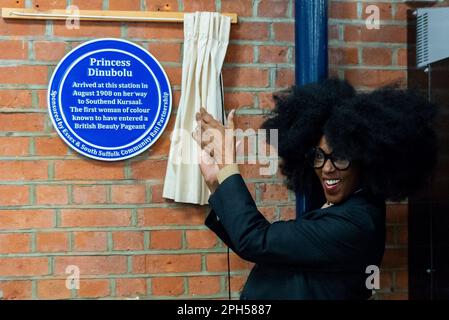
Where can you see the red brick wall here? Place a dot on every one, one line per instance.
(58, 208)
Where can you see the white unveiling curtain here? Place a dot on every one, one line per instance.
(206, 38)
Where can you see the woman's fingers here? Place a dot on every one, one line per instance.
(204, 115)
(196, 134)
(196, 137)
(208, 119)
(204, 126)
(231, 119)
(206, 160)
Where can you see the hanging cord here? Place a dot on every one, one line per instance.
(229, 276)
(223, 117)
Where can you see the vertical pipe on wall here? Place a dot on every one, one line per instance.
(311, 61)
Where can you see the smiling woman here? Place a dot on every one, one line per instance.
(362, 150)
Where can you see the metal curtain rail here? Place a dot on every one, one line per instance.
(95, 15)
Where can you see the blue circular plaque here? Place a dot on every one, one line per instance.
(109, 99)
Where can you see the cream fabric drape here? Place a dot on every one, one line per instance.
(206, 38)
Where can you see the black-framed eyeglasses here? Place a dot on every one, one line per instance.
(317, 158)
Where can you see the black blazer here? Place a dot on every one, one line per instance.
(322, 255)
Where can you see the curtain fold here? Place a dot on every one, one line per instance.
(206, 38)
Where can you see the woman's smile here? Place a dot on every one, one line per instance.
(331, 186)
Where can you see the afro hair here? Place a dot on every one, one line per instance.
(388, 132)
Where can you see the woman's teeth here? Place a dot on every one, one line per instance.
(331, 182)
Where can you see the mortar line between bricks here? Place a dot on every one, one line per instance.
(105, 205)
(394, 9)
(109, 241)
(110, 206)
(148, 193)
(271, 33)
(224, 284)
(134, 222)
(34, 289)
(160, 252)
(129, 229)
(51, 265)
(69, 192)
(27, 135)
(33, 242)
(247, 90)
(362, 44)
(362, 22)
(83, 39)
(71, 240)
(100, 207)
(267, 20)
(34, 100)
(291, 9)
(51, 170)
(149, 290)
(26, 109)
(112, 287)
(32, 146)
(49, 28)
(259, 43)
(259, 65)
(57, 218)
(22, 87)
(146, 240)
(31, 54)
(180, 297)
(185, 284)
(128, 169)
(359, 10)
(129, 264)
(19, 63)
(255, 7)
(290, 55)
(81, 182)
(270, 89)
(124, 30)
(183, 240)
(108, 193)
(74, 293)
(63, 276)
(32, 195)
(370, 67)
